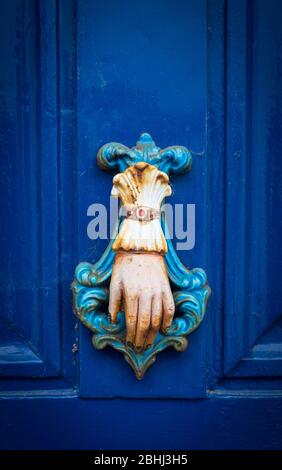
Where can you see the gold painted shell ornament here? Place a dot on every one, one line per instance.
(141, 188)
(153, 300)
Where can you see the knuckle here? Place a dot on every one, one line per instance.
(131, 316)
(155, 327)
(145, 323)
(131, 293)
(155, 323)
(170, 310)
(157, 293)
(112, 307)
(130, 322)
(114, 296)
(114, 285)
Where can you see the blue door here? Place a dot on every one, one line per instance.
(76, 74)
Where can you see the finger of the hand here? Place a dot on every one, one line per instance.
(168, 308)
(131, 312)
(156, 318)
(115, 300)
(144, 320)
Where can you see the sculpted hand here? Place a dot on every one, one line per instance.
(140, 287)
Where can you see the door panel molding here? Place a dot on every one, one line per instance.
(39, 88)
(264, 359)
(29, 292)
(253, 202)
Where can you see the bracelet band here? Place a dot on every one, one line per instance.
(140, 213)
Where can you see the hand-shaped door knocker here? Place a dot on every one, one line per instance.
(153, 300)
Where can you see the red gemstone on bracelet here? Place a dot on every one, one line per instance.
(140, 213)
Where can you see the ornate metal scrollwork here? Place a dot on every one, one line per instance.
(91, 284)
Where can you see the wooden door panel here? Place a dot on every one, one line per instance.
(29, 206)
(37, 223)
(142, 68)
(253, 192)
(200, 74)
(76, 74)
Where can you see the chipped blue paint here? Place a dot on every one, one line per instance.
(190, 288)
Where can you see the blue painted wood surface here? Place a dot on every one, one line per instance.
(131, 80)
(29, 184)
(223, 421)
(76, 74)
(253, 190)
(37, 119)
